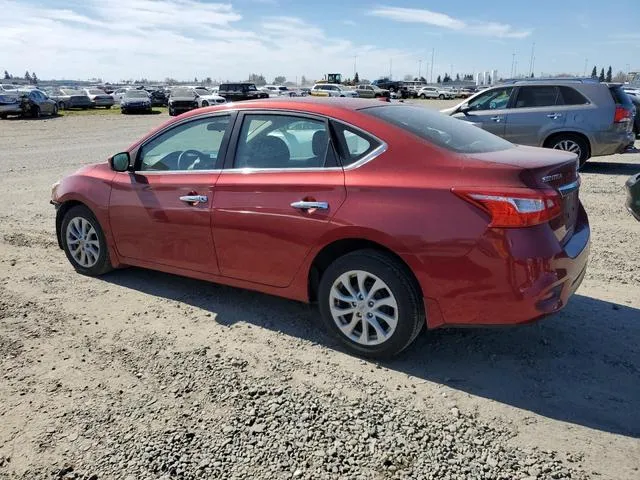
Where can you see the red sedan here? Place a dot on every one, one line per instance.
(389, 216)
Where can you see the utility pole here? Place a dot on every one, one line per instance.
(355, 65)
(390, 68)
(586, 62)
(533, 48)
(419, 69)
(513, 64)
(451, 74)
(433, 54)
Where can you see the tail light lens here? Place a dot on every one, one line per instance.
(622, 115)
(513, 208)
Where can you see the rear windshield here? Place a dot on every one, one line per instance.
(620, 96)
(441, 130)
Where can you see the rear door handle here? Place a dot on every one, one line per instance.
(554, 116)
(496, 119)
(194, 199)
(302, 205)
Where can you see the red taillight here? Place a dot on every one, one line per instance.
(514, 207)
(622, 115)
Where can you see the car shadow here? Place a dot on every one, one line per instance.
(580, 366)
(610, 168)
(152, 112)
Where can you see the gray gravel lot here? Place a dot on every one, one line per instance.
(141, 375)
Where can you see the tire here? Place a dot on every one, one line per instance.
(373, 266)
(3, 116)
(108, 107)
(205, 103)
(76, 220)
(55, 111)
(123, 111)
(423, 96)
(172, 112)
(35, 111)
(441, 97)
(61, 106)
(572, 143)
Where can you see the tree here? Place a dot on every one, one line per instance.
(303, 80)
(27, 77)
(609, 74)
(195, 79)
(532, 75)
(6, 75)
(446, 78)
(257, 79)
(34, 78)
(457, 77)
(208, 81)
(439, 80)
(594, 72)
(423, 80)
(620, 77)
(279, 80)
(601, 77)
(356, 78)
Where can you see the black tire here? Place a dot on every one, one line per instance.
(423, 96)
(172, 112)
(123, 111)
(441, 97)
(205, 103)
(61, 105)
(108, 107)
(55, 111)
(585, 150)
(3, 116)
(35, 111)
(102, 264)
(410, 311)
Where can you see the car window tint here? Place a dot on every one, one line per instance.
(570, 96)
(492, 100)
(354, 144)
(165, 152)
(539, 96)
(282, 141)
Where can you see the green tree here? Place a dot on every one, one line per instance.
(594, 72)
(457, 77)
(439, 80)
(609, 74)
(303, 80)
(532, 75)
(279, 80)
(601, 77)
(356, 78)
(34, 78)
(6, 75)
(446, 78)
(27, 77)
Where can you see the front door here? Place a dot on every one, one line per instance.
(276, 199)
(489, 110)
(161, 212)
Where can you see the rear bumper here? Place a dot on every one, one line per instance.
(512, 276)
(609, 143)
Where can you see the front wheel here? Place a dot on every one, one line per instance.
(172, 112)
(370, 302)
(84, 243)
(61, 106)
(205, 103)
(423, 96)
(441, 97)
(108, 107)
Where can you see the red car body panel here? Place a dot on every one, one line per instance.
(248, 235)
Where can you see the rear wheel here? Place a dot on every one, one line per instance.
(205, 103)
(172, 112)
(55, 111)
(84, 243)
(441, 97)
(570, 143)
(423, 96)
(61, 105)
(35, 111)
(369, 301)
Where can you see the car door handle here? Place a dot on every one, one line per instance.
(496, 119)
(302, 205)
(554, 116)
(193, 199)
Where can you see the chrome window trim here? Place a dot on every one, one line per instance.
(174, 172)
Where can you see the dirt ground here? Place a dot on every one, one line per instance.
(89, 365)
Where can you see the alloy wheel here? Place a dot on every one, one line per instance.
(83, 242)
(363, 307)
(569, 146)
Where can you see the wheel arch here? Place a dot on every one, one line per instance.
(559, 133)
(337, 248)
(62, 210)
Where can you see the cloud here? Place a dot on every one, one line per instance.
(183, 39)
(442, 20)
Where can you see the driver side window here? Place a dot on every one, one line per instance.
(492, 100)
(191, 146)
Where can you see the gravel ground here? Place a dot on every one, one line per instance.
(141, 375)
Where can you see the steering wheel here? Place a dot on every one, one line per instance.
(189, 159)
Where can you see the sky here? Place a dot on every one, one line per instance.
(185, 39)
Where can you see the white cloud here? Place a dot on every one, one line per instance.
(442, 20)
(129, 39)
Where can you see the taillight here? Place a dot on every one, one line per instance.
(513, 207)
(622, 115)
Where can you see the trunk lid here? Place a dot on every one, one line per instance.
(542, 169)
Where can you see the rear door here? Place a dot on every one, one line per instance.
(280, 187)
(489, 110)
(536, 112)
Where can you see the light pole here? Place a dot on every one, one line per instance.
(433, 54)
(419, 69)
(586, 62)
(355, 65)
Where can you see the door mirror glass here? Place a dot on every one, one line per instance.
(464, 108)
(120, 162)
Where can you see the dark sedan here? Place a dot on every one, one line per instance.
(135, 101)
(182, 100)
(67, 98)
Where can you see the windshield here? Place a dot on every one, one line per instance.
(441, 130)
(136, 94)
(202, 91)
(183, 92)
(68, 91)
(95, 91)
(251, 87)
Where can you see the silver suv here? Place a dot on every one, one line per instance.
(579, 115)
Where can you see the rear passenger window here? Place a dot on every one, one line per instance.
(571, 96)
(354, 145)
(542, 96)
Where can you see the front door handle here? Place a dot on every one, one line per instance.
(302, 205)
(496, 119)
(194, 199)
(554, 116)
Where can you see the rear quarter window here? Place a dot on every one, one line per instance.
(620, 97)
(570, 96)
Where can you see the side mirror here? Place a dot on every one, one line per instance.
(120, 162)
(464, 108)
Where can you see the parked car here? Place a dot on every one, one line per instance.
(278, 91)
(332, 90)
(159, 97)
(69, 98)
(119, 93)
(335, 202)
(182, 99)
(99, 98)
(393, 87)
(39, 103)
(11, 103)
(135, 101)
(632, 91)
(636, 118)
(206, 98)
(234, 92)
(435, 92)
(5, 87)
(632, 187)
(585, 117)
(372, 91)
(466, 92)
